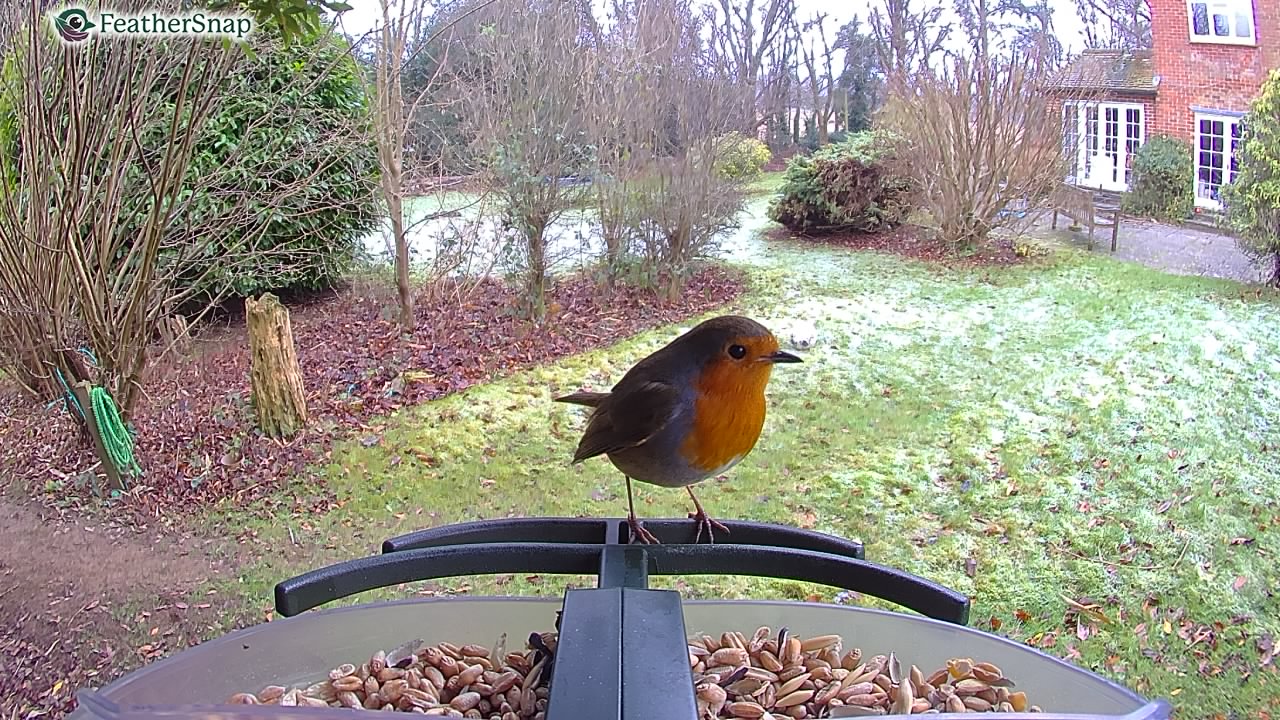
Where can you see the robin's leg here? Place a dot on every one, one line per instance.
(704, 520)
(638, 530)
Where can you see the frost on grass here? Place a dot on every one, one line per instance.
(1076, 427)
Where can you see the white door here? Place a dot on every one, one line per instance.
(1216, 158)
(1108, 136)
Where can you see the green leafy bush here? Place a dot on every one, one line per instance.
(1161, 184)
(1252, 199)
(311, 171)
(851, 185)
(739, 157)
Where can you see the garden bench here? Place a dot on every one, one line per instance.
(1087, 208)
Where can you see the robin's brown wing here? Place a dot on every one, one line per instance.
(627, 418)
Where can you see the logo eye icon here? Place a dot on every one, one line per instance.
(72, 25)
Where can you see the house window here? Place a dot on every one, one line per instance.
(1217, 156)
(1222, 21)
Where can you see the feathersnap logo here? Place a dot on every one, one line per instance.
(73, 25)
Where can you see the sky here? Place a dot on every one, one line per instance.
(365, 15)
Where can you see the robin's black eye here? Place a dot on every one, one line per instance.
(737, 352)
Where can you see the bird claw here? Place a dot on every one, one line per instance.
(640, 533)
(707, 522)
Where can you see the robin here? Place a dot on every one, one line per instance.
(688, 412)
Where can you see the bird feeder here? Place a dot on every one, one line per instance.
(622, 650)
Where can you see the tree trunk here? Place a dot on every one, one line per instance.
(403, 290)
(276, 378)
(536, 281)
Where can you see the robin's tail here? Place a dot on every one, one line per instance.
(590, 399)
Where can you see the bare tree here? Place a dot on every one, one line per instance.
(525, 113)
(781, 86)
(745, 34)
(979, 132)
(1118, 24)
(390, 122)
(659, 114)
(99, 237)
(979, 136)
(821, 77)
(907, 40)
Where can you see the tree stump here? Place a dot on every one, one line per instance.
(275, 376)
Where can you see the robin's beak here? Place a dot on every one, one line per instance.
(782, 356)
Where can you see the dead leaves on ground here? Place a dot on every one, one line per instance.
(195, 434)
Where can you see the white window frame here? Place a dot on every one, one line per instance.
(1083, 165)
(1231, 8)
(1227, 120)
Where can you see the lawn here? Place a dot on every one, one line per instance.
(1086, 447)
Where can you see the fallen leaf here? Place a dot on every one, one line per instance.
(1239, 582)
(1022, 615)
(970, 567)
(1082, 630)
(806, 519)
(1163, 507)
(995, 623)
(1241, 541)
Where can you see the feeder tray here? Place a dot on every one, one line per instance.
(622, 649)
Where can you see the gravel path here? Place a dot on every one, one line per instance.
(1181, 250)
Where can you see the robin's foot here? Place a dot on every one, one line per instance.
(638, 532)
(706, 522)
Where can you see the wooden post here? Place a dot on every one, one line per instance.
(72, 362)
(1115, 229)
(279, 399)
(81, 391)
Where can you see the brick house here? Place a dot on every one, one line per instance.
(1207, 61)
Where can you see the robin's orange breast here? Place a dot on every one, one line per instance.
(728, 415)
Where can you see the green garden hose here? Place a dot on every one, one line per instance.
(115, 436)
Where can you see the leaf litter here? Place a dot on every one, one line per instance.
(195, 431)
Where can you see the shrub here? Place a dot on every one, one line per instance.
(1161, 186)
(810, 140)
(738, 157)
(313, 169)
(1252, 199)
(283, 175)
(852, 185)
